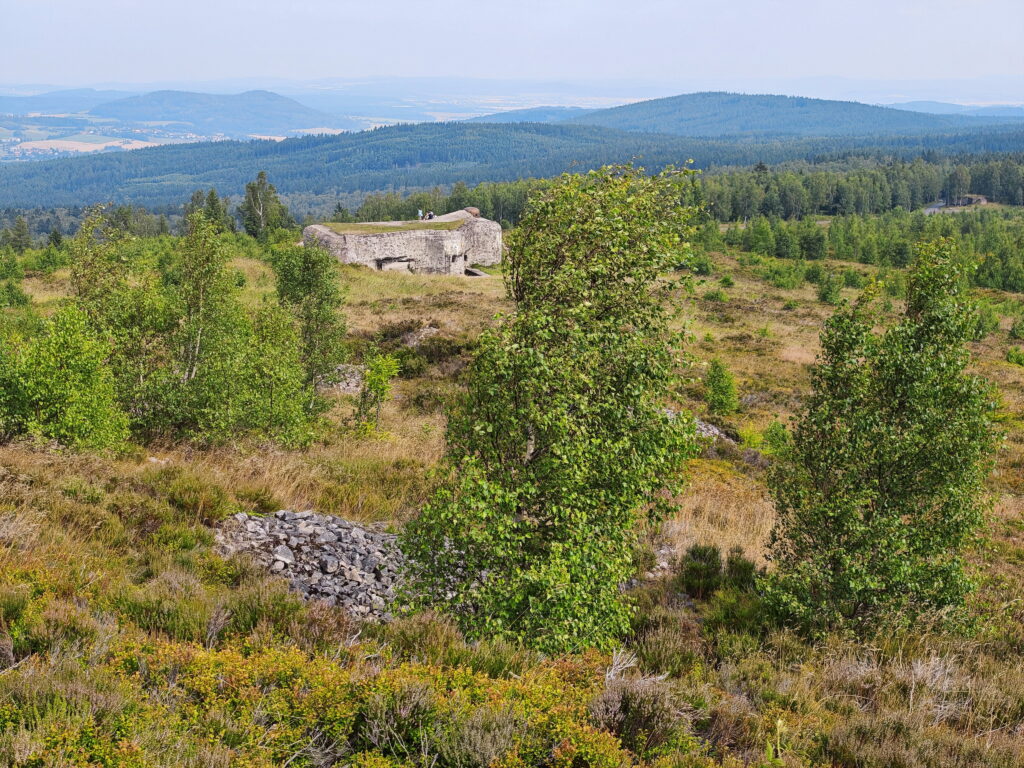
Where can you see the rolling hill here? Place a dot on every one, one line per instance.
(733, 114)
(944, 108)
(243, 114)
(58, 102)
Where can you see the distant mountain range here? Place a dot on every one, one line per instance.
(718, 114)
(243, 114)
(534, 115)
(713, 128)
(59, 102)
(944, 108)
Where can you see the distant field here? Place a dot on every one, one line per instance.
(380, 227)
(82, 143)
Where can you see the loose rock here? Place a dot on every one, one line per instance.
(323, 557)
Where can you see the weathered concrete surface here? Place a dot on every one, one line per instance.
(421, 251)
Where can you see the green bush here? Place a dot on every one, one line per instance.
(701, 264)
(11, 295)
(776, 436)
(852, 278)
(830, 289)
(788, 275)
(1015, 355)
(700, 571)
(1017, 329)
(716, 295)
(986, 321)
(720, 389)
(59, 387)
(879, 489)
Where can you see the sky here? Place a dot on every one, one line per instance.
(730, 44)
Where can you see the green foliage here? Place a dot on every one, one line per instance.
(562, 442)
(11, 295)
(785, 275)
(262, 210)
(720, 389)
(308, 284)
(880, 486)
(379, 372)
(700, 572)
(776, 436)
(986, 321)
(276, 392)
(213, 208)
(18, 238)
(830, 288)
(701, 264)
(187, 359)
(58, 386)
(10, 268)
(1017, 329)
(716, 295)
(1015, 355)
(852, 278)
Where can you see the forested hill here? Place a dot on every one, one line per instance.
(733, 114)
(533, 115)
(242, 114)
(420, 156)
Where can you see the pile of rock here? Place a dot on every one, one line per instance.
(324, 557)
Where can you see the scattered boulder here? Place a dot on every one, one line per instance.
(413, 339)
(705, 429)
(347, 379)
(323, 557)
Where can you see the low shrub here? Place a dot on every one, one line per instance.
(700, 571)
(720, 389)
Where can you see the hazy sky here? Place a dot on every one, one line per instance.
(74, 42)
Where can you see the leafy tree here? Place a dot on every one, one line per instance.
(379, 372)
(59, 387)
(720, 389)
(563, 442)
(262, 210)
(308, 283)
(205, 289)
(879, 487)
(275, 377)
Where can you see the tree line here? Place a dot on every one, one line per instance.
(991, 240)
(318, 170)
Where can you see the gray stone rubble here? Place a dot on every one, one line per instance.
(323, 557)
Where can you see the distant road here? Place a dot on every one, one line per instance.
(934, 208)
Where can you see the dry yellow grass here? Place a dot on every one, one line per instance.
(723, 508)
